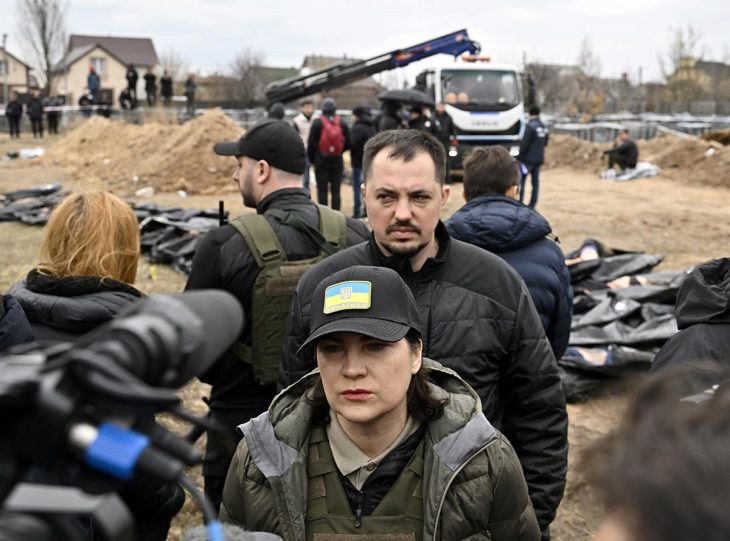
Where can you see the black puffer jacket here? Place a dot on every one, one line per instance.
(703, 318)
(14, 326)
(519, 235)
(478, 319)
(63, 308)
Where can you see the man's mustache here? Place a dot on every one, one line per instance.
(401, 226)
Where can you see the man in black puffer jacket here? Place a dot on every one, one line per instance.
(703, 318)
(495, 220)
(476, 313)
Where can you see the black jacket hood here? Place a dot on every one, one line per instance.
(704, 296)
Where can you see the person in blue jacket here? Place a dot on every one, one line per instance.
(532, 153)
(495, 220)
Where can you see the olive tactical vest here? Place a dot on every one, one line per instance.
(398, 516)
(278, 277)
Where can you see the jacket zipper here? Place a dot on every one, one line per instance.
(358, 511)
(451, 480)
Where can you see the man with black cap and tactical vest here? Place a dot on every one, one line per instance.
(380, 443)
(259, 259)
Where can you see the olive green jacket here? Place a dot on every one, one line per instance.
(473, 483)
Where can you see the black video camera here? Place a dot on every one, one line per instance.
(79, 417)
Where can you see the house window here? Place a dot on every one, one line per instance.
(3, 67)
(99, 65)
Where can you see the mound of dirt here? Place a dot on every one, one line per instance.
(568, 151)
(167, 157)
(722, 136)
(694, 161)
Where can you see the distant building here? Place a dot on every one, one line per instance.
(15, 74)
(361, 92)
(110, 56)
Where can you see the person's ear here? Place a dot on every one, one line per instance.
(445, 193)
(263, 171)
(417, 358)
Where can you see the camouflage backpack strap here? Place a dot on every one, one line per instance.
(266, 251)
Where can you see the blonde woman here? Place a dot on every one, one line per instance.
(88, 263)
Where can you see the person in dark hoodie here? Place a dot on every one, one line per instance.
(88, 264)
(495, 220)
(362, 130)
(703, 319)
(328, 139)
(14, 326)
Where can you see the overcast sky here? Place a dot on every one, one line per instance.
(624, 34)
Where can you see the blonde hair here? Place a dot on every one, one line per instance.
(91, 234)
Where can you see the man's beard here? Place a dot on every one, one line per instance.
(403, 249)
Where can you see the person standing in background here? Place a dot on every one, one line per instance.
(303, 125)
(532, 154)
(166, 88)
(93, 84)
(362, 130)
(53, 115)
(150, 87)
(328, 139)
(35, 111)
(132, 77)
(14, 112)
(190, 88)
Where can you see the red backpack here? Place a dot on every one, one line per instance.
(332, 140)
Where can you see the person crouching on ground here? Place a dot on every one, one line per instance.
(379, 441)
(624, 153)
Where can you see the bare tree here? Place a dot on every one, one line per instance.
(588, 96)
(685, 43)
(42, 25)
(678, 64)
(245, 69)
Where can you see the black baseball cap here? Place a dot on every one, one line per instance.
(273, 141)
(373, 301)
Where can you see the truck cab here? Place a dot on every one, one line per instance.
(483, 99)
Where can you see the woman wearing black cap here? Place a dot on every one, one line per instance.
(379, 441)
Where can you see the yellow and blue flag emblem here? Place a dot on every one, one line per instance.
(352, 295)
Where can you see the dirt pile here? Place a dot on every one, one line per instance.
(166, 157)
(568, 151)
(691, 160)
(722, 136)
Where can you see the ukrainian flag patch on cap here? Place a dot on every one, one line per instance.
(352, 295)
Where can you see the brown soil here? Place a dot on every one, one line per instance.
(691, 161)
(687, 221)
(166, 157)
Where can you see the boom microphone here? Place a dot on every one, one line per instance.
(166, 340)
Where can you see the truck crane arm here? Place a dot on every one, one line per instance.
(343, 73)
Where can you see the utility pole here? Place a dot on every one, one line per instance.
(6, 72)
